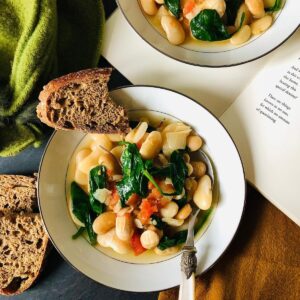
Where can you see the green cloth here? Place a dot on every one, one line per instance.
(40, 40)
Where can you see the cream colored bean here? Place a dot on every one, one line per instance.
(149, 7)
(199, 168)
(168, 251)
(194, 142)
(90, 161)
(186, 158)
(163, 160)
(169, 210)
(82, 154)
(184, 212)
(173, 222)
(243, 9)
(104, 222)
(190, 185)
(81, 178)
(108, 160)
(203, 194)
(256, 7)
(160, 1)
(162, 11)
(102, 140)
(189, 168)
(149, 239)
(105, 239)
(152, 145)
(136, 134)
(261, 25)
(173, 30)
(242, 36)
(115, 137)
(124, 227)
(117, 152)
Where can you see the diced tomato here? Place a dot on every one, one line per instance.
(136, 244)
(188, 7)
(114, 197)
(147, 209)
(109, 172)
(155, 193)
(139, 144)
(133, 199)
(150, 185)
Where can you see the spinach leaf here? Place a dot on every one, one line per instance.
(81, 208)
(177, 239)
(174, 7)
(208, 26)
(97, 180)
(79, 232)
(176, 170)
(232, 7)
(133, 173)
(157, 222)
(275, 7)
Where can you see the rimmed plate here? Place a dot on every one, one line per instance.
(223, 55)
(143, 277)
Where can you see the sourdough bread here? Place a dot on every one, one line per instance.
(23, 246)
(81, 101)
(17, 193)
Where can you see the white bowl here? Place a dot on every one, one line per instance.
(142, 277)
(287, 21)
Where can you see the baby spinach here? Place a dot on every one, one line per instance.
(176, 170)
(177, 239)
(174, 7)
(275, 7)
(97, 180)
(208, 26)
(157, 221)
(81, 208)
(232, 7)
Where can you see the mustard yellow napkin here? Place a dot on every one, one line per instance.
(263, 261)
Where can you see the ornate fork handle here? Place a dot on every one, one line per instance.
(188, 261)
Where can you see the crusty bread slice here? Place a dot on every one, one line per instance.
(81, 101)
(17, 193)
(23, 247)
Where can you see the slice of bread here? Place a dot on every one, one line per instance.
(23, 246)
(17, 193)
(81, 101)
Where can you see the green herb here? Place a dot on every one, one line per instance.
(242, 21)
(79, 232)
(157, 222)
(275, 7)
(81, 208)
(174, 7)
(97, 180)
(232, 7)
(177, 239)
(176, 170)
(208, 26)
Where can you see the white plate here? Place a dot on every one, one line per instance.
(155, 276)
(287, 21)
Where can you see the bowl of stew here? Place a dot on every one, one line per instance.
(213, 33)
(115, 205)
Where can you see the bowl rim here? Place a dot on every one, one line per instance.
(199, 64)
(244, 187)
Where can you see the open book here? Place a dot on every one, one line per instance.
(261, 101)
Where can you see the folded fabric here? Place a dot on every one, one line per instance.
(39, 40)
(263, 261)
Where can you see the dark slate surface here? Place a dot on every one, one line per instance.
(59, 280)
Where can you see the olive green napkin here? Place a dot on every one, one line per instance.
(40, 40)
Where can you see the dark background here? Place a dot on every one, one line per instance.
(59, 280)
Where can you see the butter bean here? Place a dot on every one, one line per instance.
(256, 7)
(149, 239)
(173, 29)
(124, 227)
(203, 194)
(152, 145)
(261, 25)
(169, 210)
(199, 168)
(194, 142)
(243, 9)
(184, 212)
(149, 7)
(173, 222)
(242, 36)
(108, 160)
(104, 222)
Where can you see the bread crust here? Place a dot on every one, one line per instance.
(55, 84)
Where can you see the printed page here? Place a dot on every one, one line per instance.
(264, 122)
